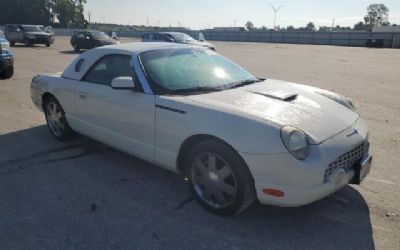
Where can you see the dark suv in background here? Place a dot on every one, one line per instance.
(27, 34)
(89, 39)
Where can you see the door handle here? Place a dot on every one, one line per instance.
(83, 96)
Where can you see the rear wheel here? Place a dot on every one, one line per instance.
(12, 44)
(56, 121)
(219, 179)
(48, 44)
(7, 73)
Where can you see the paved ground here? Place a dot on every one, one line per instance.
(86, 195)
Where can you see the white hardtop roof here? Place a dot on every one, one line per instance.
(140, 47)
(91, 56)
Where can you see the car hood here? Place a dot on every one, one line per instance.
(108, 41)
(199, 43)
(37, 33)
(284, 103)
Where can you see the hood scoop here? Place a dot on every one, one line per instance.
(278, 95)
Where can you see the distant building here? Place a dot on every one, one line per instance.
(390, 29)
(234, 29)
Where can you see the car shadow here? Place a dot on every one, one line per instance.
(71, 52)
(33, 46)
(127, 202)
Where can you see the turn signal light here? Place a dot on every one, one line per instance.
(274, 192)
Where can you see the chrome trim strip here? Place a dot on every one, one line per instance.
(140, 74)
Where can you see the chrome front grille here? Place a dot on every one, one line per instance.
(348, 160)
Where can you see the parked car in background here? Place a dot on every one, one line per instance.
(89, 39)
(48, 30)
(176, 37)
(232, 136)
(6, 59)
(27, 34)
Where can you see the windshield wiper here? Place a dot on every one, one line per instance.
(195, 90)
(243, 83)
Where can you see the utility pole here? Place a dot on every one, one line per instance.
(275, 12)
(333, 23)
(90, 15)
(234, 23)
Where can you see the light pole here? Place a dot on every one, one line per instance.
(275, 12)
(90, 15)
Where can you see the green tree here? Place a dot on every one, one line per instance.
(290, 27)
(377, 15)
(26, 11)
(70, 13)
(360, 26)
(310, 26)
(249, 25)
(324, 28)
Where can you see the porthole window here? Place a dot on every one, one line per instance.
(78, 65)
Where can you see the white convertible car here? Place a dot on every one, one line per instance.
(232, 136)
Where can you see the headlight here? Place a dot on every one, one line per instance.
(4, 47)
(295, 142)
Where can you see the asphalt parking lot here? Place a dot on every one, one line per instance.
(84, 195)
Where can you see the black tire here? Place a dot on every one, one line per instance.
(12, 44)
(64, 133)
(7, 73)
(28, 43)
(240, 175)
(76, 48)
(48, 45)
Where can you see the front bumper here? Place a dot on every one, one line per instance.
(41, 40)
(303, 182)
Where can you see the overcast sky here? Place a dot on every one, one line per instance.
(210, 13)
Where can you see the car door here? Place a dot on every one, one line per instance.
(124, 119)
(83, 40)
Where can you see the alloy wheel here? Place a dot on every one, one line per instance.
(213, 180)
(55, 119)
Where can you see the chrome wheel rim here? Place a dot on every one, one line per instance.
(54, 119)
(213, 180)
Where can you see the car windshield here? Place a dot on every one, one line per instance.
(191, 70)
(98, 35)
(31, 28)
(182, 37)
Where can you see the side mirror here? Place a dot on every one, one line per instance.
(123, 82)
(87, 37)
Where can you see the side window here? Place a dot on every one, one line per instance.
(11, 28)
(108, 68)
(81, 35)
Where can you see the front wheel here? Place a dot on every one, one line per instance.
(219, 178)
(48, 45)
(76, 48)
(7, 73)
(56, 121)
(28, 43)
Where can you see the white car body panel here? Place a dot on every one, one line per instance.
(249, 119)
